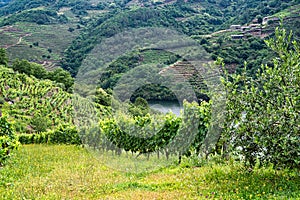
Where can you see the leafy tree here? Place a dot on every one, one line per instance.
(22, 66)
(3, 57)
(259, 19)
(263, 114)
(39, 123)
(140, 107)
(29, 68)
(61, 76)
(102, 97)
(38, 71)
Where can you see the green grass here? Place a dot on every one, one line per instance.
(69, 172)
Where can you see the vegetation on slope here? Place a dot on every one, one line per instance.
(8, 139)
(37, 16)
(32, 102)
(197, 19)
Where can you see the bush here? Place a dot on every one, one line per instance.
(8, 139)
(64, 134)
(41, 138)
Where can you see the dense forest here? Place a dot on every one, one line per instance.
(80, 74)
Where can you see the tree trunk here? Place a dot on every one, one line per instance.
(179, 158)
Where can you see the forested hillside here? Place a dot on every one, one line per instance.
(197, 19)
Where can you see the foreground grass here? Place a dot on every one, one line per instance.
(68, 172)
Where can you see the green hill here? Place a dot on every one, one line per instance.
(193, 18)
(30, 102)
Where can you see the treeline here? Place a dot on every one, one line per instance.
(4, 3)
(78, 7)
(21, 5)
(35, 16)
(60, 76)
(253, 50)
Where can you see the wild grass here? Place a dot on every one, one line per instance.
(70, 172)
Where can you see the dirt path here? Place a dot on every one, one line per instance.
(221, 31)
(19, 41)
(217, 32)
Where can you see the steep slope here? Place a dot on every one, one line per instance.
(30, 102)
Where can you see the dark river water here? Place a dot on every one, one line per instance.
(166, 106)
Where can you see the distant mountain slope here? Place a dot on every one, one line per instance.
(193, 17)
(15, 6)
(35, 16)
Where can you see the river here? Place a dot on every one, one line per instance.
(166, 106)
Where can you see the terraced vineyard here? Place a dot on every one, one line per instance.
(26, 98)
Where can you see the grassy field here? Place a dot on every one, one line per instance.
(69, 172)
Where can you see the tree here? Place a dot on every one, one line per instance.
(39, 123)
(102, 97)
(38, 71)
(61, 76)
(3, 57)
(140, 107)
(26, 67)
(259, 19)
(263, 114)
(22, 66)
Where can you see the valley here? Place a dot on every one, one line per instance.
(149, 99)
